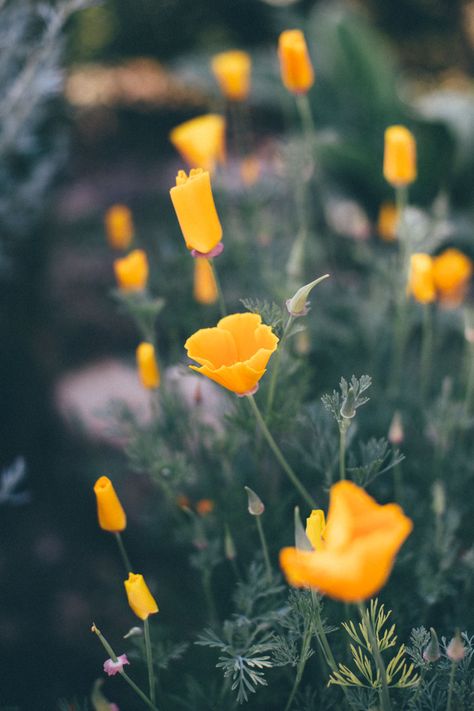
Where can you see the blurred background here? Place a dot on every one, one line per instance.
(92, 90)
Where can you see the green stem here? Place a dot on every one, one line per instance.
(397, 483)
(426, 349)
(401, 334)
(383, 691)
(220, 294)
(343, 427)
(306, 116)
(263, 541)
(276, 368)
(123, 553)
(305, 644)
(206, 584)
(322, 638)
(278, 455)
(468, 398)
(451, 686)
(149, 660)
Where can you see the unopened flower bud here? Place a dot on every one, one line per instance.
(256, 506)
(396, 434)
(432, 653)
(348, 409)
(134, 632)
(439, 498)
(229, 546)
(456, 650)
(297, 305)
(302, 541)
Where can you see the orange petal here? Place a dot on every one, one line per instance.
(213, 347)
(239, 378)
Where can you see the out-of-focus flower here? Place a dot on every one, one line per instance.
(109, 509)
(132, 271)
(235, 353)
(315, 527)
(139, 596)
(201, 141)
(399, 161)
(196, 211)
(250, 169)
(232, 71)
(119, 226)
(256, 507)
(296, 70)
(432, 652)
(387, 222)
(204, 507)
(205, 287)
(396, 434)
(99, 702)
(112, 668)
(358, 547)
(421, 282)
(183, 501)
(147, 366)
(452, 271)
(456, 651)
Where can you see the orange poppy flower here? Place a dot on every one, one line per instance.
(109, 509)
(358, 547)
(232, 71)
(196, 211)
(387, 222)
(119, 226)
(205, 287)
(399, 161)
(421, 282)
(201, 141)
(132, 271)
(452, 271)
(139, 596)
(297, 72)
(235, 353)
(147, 364)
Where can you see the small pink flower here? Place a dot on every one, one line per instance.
(114, 707)
(113, 668)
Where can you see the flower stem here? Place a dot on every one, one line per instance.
(149, 660)
(220, 294)
(123, 553)
(263, 541)
(305, 645)
(401, 334)
(426, 349)
(306, 116)
(452, 675)
(276, 367)
(343, 427)
(278, 455)
(383, 691)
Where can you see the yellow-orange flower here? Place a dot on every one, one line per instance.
(119, 226)
(452, 271)
(232, 71)
(132, 271)
(421, 283)
(315, 527)
(205, 287)
(387, 222)
(196, 211)
(361, 540)
(235, 353)
(139, 596)
(399, 160)
(109, 509)
(147, 366)
(201, 141)
(204, 507)
(297, 72)
(250, 169)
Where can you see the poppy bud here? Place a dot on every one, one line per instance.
(232, 71)
(395, 432)
(139, 596)
(147, 366)
(432, 653)
(229, 545)
(297, 72)
(205, 287)
(119, 226)
(256, 506)
(109, 509)
(297, 305)
(387, 222)
(196, 211)
(399, 161)
(456, 651)
(201, 141)
(132, 271)
(421, 281)
(302, 542)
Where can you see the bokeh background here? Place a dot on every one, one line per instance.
(90, 129)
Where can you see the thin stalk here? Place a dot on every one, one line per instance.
(206, 584)
(306, 116)
(263, 541)
(469, 396)
(426, 349)
(383, 691)
(322, 638)
(452, 675)
(397, 483)
(401, 196)
(123, 674)
(343, 427)
(278, 455)
(305, 644)
(276, 367)
(220, 294)
(123, 553)
(149, 660)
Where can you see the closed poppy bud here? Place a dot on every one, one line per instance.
(147, 366)
(201, 141)
(452, 271)
(298, 304)
(232, 71)
(205, 287)
(139, 596)
(387, 222)
(399, 161)
(456, 651)
(132, 271)
(109, 509)
(432, 653)
(297, 72)
(421, 283)
(396, 434)
(119, 226)
(195, 209)
(256, 507)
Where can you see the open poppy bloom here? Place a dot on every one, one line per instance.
(452, 271)
(235, 353)
(201, 141)
(355, 551)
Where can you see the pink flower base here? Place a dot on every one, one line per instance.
(112, 668)
(218, 249)
(249, 392)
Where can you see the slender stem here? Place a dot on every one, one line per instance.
(276, 367)
(451, 686)
(426, 349)
(323, 639)
(206, 584)
(220, 294)
(149, 660)
(342, 449)
(278, 455)
(397, 483)
(401, 195)
(263, 541)
(123, 553)
(306, 116)
(384, 692)
(468, 398)
(305, 645)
